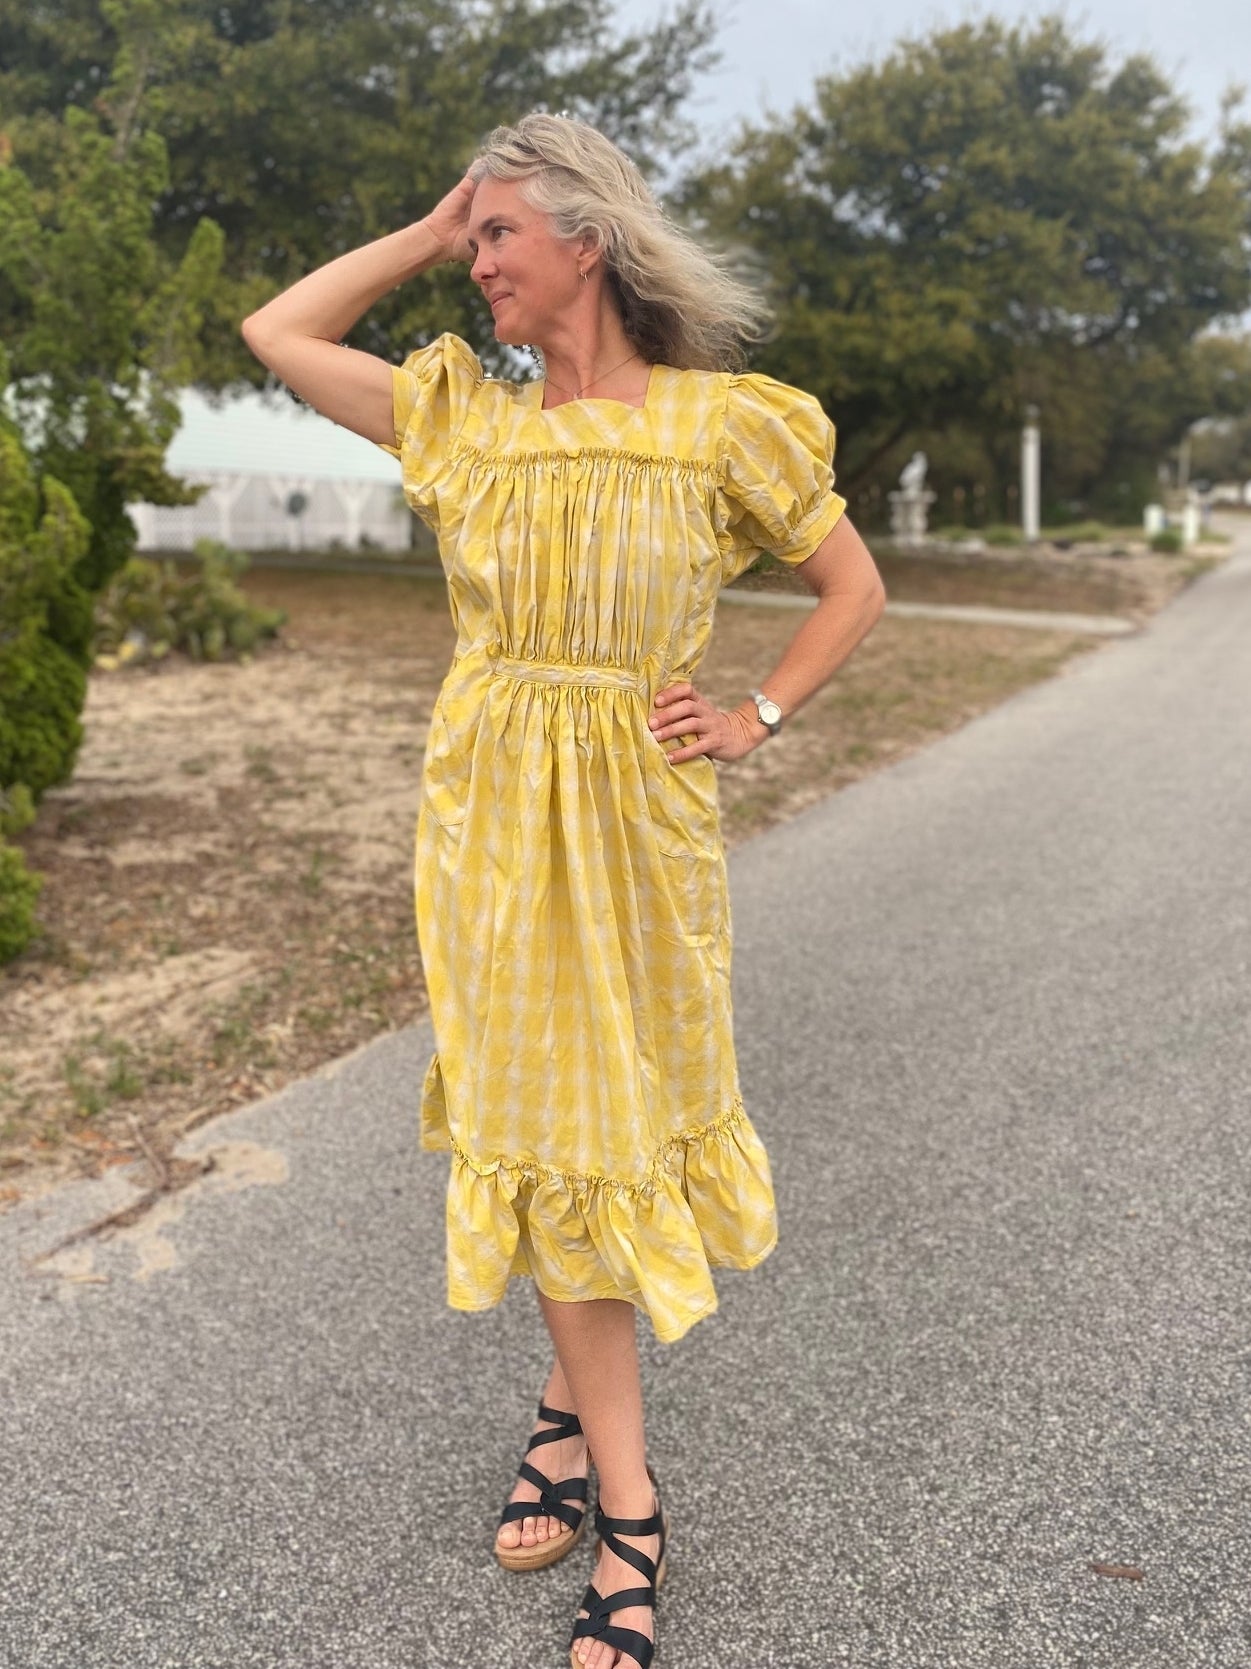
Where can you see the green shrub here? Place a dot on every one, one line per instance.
(42, 690)
(1168, 540)
(42, 681)
(151, 608)
(1080, 533)
(17, 810)
(19, 890)
(1002, 533)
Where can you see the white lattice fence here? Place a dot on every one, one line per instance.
(256, 512)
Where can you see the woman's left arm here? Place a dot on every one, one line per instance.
(850, 600)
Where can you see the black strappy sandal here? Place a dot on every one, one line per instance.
(597, 1623)
(554, 1500)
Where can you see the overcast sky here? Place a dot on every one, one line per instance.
(773, 50)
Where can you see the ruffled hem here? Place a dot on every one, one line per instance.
(706, 1201)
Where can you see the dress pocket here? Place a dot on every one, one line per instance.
(445, 773)
(682, 802)
(686, 829)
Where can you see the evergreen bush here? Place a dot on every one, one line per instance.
(43, 675)
(19, 890)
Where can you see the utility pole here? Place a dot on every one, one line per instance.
(1030, 450)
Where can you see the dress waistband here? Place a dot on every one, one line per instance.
(598, 675)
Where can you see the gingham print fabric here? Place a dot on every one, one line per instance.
(570, 883)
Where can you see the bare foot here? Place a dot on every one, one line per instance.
(566, 1458)
(612, 1574)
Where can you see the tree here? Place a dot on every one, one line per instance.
(303, 131)
(993, 217)
(102, 327)
(1221, 444)
(99, 328)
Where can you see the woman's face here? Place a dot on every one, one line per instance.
(529, 276)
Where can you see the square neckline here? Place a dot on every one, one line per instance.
(540, 383)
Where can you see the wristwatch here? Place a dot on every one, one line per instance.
(770, 712)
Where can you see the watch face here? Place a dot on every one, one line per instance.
(770, 712)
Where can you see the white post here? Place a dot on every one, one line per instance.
(1030, 450)
(227, 491)
(353, 497)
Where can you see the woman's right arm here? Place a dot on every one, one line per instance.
(298, 334)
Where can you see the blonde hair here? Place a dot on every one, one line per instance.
(679, 304)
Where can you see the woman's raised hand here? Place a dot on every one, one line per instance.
(449, 221)
(681, 711)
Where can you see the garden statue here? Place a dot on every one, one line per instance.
(909, 506)
(912, 479)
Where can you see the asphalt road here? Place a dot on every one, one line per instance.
(993, 1022)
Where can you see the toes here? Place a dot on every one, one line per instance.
(528, 1537)
(509, 1535)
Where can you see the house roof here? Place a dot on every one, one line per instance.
(271, 436)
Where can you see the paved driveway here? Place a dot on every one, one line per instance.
(995, 1029)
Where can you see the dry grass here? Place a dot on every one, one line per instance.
(228, 898)
(1083, 580)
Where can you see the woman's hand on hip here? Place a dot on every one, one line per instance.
(679, 710)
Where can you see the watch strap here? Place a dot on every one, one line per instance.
(761, 699)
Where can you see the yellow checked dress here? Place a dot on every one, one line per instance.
(570, 883)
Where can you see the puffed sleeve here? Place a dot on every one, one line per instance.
(430, 393)
(775, 484)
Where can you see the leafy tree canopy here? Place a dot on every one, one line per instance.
(993, 217)
(1221, 446)
(303, 129)
(101, 327)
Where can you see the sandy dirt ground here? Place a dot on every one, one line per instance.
(228, 892)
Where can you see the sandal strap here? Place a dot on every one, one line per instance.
(596, 1624)
(567, 1425)
(515, 1511)
(568, 1489)
(629, 1640)
(611, 1529)
(553, 1499)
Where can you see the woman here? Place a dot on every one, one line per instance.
(570, 880)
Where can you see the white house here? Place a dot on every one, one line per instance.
(280, 476)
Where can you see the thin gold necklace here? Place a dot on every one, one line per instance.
(560, 389)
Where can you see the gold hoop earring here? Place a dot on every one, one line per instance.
(583, 273)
